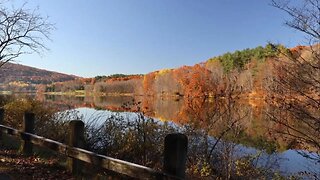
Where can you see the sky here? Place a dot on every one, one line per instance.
(104, 37)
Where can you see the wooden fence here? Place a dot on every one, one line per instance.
(175, 151)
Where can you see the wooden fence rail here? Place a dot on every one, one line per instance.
(175, 152)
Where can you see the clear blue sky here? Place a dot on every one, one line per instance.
(103, 37)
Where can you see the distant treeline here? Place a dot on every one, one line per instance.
(247, 70)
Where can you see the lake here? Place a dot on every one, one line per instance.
(245, 126)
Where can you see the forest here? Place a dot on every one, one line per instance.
(250, 69)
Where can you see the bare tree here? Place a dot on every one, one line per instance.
(304, 18)
(22, 31)
(297, 84)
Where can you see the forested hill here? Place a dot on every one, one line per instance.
(249, 72)
(17, 73)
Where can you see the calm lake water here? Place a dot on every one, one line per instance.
(288, 161)
(254, 132)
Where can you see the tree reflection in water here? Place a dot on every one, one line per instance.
(139, 139)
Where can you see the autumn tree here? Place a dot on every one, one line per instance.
(148, 83)
(22, 31)
(297, 85)
(196, 81)
(165, 84)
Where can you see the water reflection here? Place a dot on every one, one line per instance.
(128, 136)
(212, 116)
(227, 137)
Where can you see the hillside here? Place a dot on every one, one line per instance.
(20, 78)
(249, 72)
(19, 73)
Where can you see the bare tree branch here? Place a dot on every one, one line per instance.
(297, 81)
(22, 31)
(305, 18)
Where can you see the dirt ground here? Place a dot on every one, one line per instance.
(14, 165)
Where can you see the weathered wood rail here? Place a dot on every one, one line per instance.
(175, 151)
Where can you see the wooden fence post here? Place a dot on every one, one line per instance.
(28, 127)
(76, 139)
(175, 154)
(1, 120)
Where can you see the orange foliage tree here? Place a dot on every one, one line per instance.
(196, 81)
(148, 83)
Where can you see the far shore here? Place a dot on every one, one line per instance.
(81, 93)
